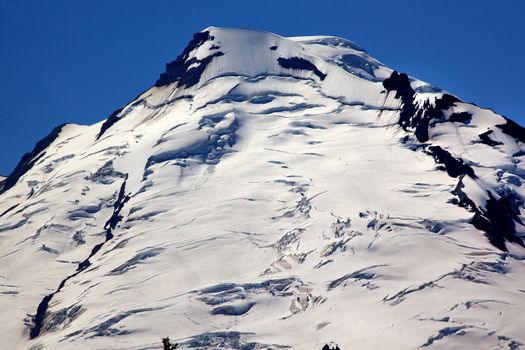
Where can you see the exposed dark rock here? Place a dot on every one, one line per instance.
(39, 319)
(453, 166)
(446, 101)
(118, 115)
(461, 117)
(110, 225)
(431, 112)
(484, 137)
(118, 205)
(29, 159)
(400, 83)
(179, 71)
(413, 117)
(513, 129)
(300, 63)
(112, 119)
(273, 48)
(497, 220)
(516, 202)
(9, 209)
(60, 318)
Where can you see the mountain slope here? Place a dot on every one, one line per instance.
(270, 192)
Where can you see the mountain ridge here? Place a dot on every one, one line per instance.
(234, 167)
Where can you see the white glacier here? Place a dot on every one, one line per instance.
(264, 194)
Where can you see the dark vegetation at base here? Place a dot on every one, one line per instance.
(40, 316)
(179, 70)
(29, 159)
(327, 347)
(167, 345)
(498, 218)
(227, 339)
(300, 63)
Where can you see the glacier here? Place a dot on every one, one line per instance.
(270, 193)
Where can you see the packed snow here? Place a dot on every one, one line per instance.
(267, 197)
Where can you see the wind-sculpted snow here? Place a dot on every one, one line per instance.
(270, 193)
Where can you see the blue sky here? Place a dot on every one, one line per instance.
(77, 61)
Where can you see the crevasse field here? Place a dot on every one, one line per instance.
(270, 193)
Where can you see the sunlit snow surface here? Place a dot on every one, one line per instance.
(268, 207)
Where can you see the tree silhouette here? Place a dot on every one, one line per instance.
(168, 345)
(327, 347)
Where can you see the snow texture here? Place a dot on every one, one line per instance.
(270, 193)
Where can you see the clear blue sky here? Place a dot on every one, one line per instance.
(77, 61)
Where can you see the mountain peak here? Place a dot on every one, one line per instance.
(267, 192)
(216, 52)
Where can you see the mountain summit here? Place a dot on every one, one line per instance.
(270, 193)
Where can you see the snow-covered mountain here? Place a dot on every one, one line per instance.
(270, 193)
